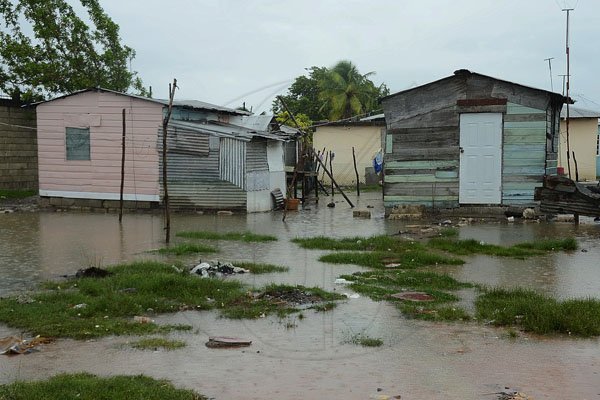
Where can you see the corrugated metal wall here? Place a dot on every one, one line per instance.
(232, 156)
(256, 155)
(195, 180)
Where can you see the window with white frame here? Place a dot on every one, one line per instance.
(78, 143)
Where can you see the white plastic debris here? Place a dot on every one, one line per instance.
(352, 296)
(342, 281)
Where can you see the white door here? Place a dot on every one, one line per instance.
(480, 158)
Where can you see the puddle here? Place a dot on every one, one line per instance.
(304, 358)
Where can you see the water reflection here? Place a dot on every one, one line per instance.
(40, 246)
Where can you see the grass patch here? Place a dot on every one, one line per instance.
(6, 194)
(449, 232)
(89, 387)
(187, 248)
(522, 250)
(379, 285)
(281, 300)
(258, 268)
(538, 313)
(239, 236)
(373, 243)
(364, 340)
(156, 343)
(93, 307)
(408, 259)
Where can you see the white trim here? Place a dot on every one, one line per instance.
(99, 196)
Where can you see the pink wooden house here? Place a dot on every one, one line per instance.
(79, 149)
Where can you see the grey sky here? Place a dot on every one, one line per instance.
(221, 49)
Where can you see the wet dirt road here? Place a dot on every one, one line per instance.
(305, 359)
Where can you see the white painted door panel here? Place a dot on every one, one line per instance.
(480, 158)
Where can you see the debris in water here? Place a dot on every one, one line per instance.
(352, 296)
(142, 320)
(226, 342)
(12, 345)
(216, 268)
(92, 272)
(413, 296)
(342, 281)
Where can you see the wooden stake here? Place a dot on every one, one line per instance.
(331, 172)
(356, 172)
(165, 127)
(333, 181)
(576, 168)
(122, 171)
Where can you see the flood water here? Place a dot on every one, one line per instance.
(308, 358)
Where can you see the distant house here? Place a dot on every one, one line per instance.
(218, 158)
(469, 139)
(583, 142)
(365, 135)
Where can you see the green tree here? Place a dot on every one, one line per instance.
(62, 53)
(339, 92)
(345, 92)
(303, 95)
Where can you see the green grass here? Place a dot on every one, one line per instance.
(16, 193)
(373, 243)
(522, 250)
(187, 248)
(538, 313)
(408, 259)
(89, 387)
(239, 236)
(364, 340)
(109, 309)
(379, 285)
(449, 232)
(258, 268)
(156, 343)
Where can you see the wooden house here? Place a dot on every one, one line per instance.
(218, 158)
(469, 139)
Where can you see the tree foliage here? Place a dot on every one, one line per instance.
(58, 52)
(332, 93)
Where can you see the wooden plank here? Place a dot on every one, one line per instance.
(424, 190)
(513, 108)
(524, 117)
(523, 170)
(446, 153)
(418, 199)
(428, 164)
(424, 144)
(389, 141)
(525, 139)
(526, 125)
(415, 178)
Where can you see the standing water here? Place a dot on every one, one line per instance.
(310, 358)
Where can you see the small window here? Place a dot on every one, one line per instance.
(78, 143)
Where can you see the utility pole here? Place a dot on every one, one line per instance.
(550, 68)
(563, 76)
(568, 10)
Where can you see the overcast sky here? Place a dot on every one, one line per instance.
(221, 50)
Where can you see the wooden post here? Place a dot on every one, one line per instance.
(576, 168)
(333, 181)
(331, 172)
(165, 127)
(122, 171)
(356, 172)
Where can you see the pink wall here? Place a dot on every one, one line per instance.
(99, 177)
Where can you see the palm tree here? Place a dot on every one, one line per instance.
(346, 93)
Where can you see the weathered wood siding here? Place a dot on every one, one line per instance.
(99, 177)
(524, 153)
(422, 153)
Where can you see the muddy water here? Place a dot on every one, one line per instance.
(309, 358)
